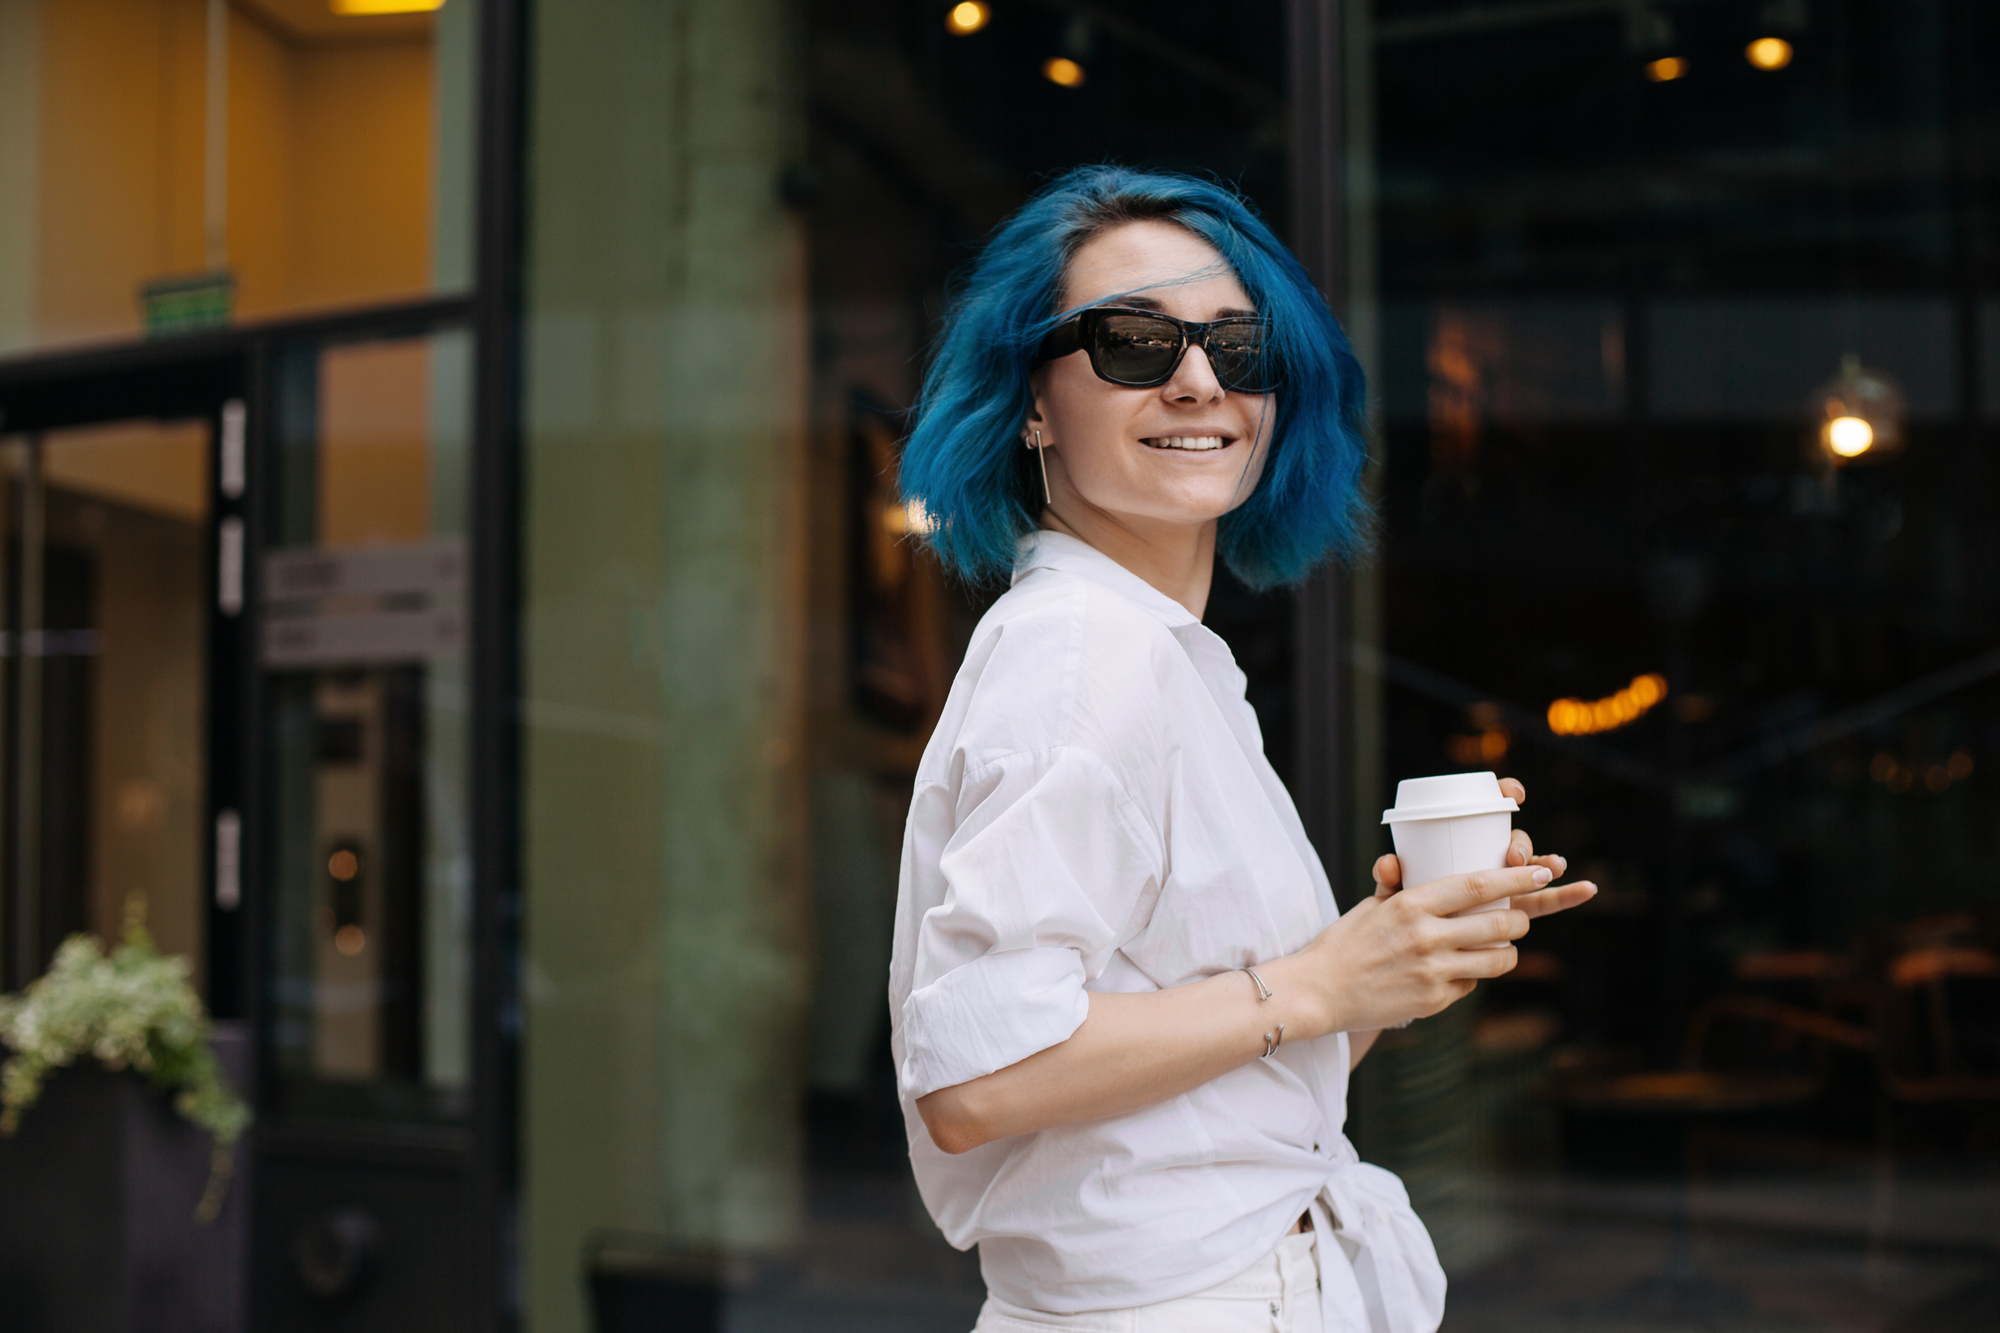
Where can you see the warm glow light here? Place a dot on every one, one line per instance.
(904, 519)
(350, 940)
(355, 7)
(1063, 71)
(1578, 717)
(1769, 53)
(1850, 437)
(343, 865)
(967, 18)
(1666, 69)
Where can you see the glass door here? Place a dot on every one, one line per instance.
(362, 649)
(107, 574)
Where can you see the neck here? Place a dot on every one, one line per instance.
(1176, 559)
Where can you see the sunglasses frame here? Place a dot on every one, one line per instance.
(1078, 333)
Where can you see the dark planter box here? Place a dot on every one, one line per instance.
(652, 1288)
(97, 1199)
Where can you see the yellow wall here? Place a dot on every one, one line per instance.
(330, 172)
(361, 215)
(111, 106)
(375, 446)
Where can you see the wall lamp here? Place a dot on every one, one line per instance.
(1860, 412)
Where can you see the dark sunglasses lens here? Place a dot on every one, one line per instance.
(1237, 353)
(1135, 349)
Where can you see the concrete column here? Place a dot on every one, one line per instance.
(665, 426)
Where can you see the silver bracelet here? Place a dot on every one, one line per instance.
(1272, 1040)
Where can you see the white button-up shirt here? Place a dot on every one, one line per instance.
(1095, 813)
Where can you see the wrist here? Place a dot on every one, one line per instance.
(1299, 998)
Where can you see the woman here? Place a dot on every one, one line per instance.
(1125, 1006)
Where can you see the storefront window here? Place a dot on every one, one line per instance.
(1683, 339)
(177, 164)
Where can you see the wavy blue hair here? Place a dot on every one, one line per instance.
(964, 462)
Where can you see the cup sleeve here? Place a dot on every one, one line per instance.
(1049, 866)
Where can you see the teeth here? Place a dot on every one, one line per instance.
(1194, 442)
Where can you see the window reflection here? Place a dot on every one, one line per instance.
(1642, 288)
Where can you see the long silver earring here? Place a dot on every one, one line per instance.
(1042, 458)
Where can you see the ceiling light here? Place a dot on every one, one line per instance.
(1666, 69)
(1064, 71)
(1860, 412)
(358, 8)
(1769, 53)
(1578, 717)
(1850, 437)
(968, 18)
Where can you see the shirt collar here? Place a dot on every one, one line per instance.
(1042, 549)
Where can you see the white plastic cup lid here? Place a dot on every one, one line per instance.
(1447, 797)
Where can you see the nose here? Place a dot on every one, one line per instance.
(1194, 379)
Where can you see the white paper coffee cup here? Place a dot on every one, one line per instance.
(1452, 825)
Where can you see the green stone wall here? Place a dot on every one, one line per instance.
(666, 384)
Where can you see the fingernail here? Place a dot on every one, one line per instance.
(1541, 876)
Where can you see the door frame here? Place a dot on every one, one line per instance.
(192, 377)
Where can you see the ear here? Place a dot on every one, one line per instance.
(1036, 419)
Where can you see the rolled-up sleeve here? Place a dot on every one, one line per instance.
(1045, 863)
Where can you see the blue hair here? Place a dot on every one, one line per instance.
(964, 462)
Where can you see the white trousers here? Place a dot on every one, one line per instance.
(1277, 1294)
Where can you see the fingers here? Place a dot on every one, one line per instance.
(1454, 992)
(1520, 848)
(1481, 930)
(1481, 964)
(1456, 893)
(1514, 791)
(1388, 874)
(1559, 898)
(1521, 852)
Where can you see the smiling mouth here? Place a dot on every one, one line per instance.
(1189, 443)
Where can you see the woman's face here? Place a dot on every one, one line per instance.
(1179, 455)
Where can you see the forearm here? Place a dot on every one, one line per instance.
(1384, 962)
(1132, 1051)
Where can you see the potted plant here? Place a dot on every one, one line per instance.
(105, 1222)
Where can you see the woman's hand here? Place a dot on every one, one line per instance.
(1537, 902)
(1394, 958)
(1389, 871)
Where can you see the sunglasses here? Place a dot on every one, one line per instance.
(1141, 349)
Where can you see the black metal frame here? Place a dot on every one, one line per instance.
(493, 1197)
(1319, 239)
(192, 377)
